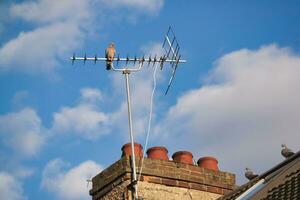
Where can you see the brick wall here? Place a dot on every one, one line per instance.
(159, 178)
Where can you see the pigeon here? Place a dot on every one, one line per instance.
(249, 174)
(286, 152)
(109, 55)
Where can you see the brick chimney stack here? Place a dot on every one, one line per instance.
(162, 178)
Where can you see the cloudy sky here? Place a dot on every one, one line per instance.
(237, 98)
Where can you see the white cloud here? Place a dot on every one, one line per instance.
(40, 49)
(34, 11)
(10, 187)
(84, 119)
(91, 94)
(150, 6)
(22, 131)
(80, 119)
(248, 106)
(22, 137)
(19, 98)
(37, 50)
(71, 183)
(20, 171)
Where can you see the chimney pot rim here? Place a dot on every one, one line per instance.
(129, 144)
(207, 158)
(182, 152)
(157, 148)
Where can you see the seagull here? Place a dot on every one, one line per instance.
(286, 152)
(249, 174)
(109, 55)
(88, 181)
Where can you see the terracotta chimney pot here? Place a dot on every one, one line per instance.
(158, 152)
(208, 163)
(183, 157)
(138, 150)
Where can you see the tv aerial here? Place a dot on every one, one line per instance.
(172, 57)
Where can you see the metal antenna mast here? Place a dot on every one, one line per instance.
(172, 56)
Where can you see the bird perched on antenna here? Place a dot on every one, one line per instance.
(286, 152)
(109, 55)
(249, 174)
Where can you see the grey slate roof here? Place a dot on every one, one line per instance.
(282, 182)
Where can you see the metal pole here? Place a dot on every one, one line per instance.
(126, 73)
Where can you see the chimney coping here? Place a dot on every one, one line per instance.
(163, 169)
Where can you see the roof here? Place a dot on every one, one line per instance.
(280, 182)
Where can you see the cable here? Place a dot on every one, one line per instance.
(150, 119)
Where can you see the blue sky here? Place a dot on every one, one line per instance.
(237, 98)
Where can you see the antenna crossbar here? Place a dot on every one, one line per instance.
(139, 60)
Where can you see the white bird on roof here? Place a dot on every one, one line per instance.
(286, 152)
(249, 174)
(109, 55)
(88, 181)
